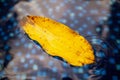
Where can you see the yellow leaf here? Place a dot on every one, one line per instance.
(59, 40)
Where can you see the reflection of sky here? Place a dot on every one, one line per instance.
(89, 18)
